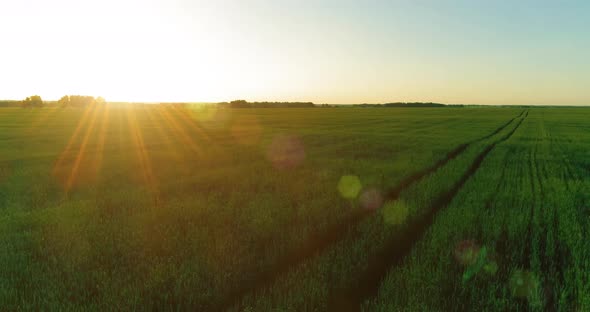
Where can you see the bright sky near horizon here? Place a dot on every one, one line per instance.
(325, 51)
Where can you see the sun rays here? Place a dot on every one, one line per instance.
(185, 115)
(179, 130)
(163, 134)
(83, 158)
(102, 139)
(141, 152)
(81, 151)
(62, 157)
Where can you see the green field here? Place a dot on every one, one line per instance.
(174, 207)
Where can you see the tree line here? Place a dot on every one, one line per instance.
(84, 101)
(246, 104)
(32, 101)
(403, 104)
(79, 101)
(65, 101)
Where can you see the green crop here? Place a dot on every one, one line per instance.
(200, 208)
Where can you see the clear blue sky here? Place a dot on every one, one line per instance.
(488, 52)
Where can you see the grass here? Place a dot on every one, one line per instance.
(343, 275)
(193, 208)
(520, 208)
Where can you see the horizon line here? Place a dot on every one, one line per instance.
(323, 103)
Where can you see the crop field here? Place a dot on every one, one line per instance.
(198, 208)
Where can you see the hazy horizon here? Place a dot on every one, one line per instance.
(336, 52)
(304, 101)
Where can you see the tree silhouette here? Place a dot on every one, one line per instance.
(246, 104)
(79, 101)
(32, 101)
(64, 101)
(100, 100)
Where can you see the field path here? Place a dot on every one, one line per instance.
(338, 232)
(368, 286)
(393, 194)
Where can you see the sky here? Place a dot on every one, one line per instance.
(324, 51)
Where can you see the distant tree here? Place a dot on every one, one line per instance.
(245, 104)
(239, 104)
(413, 104)
(64, 101)
(78, 101)
(32, 101)
(26, 102)
(81, 101)
(100, 100)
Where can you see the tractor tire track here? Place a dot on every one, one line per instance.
(554, 260)
(394, 193)
(339, 231)
(489, 201)
(525, 260)
(545, 226)
(368, 284)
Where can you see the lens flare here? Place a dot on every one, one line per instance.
(395, 213)
(371, 199)
(480, 262)
(491, 267)
(466, 252)
(524, 284)
(349, 186)
(286, 152)
(210, 117)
